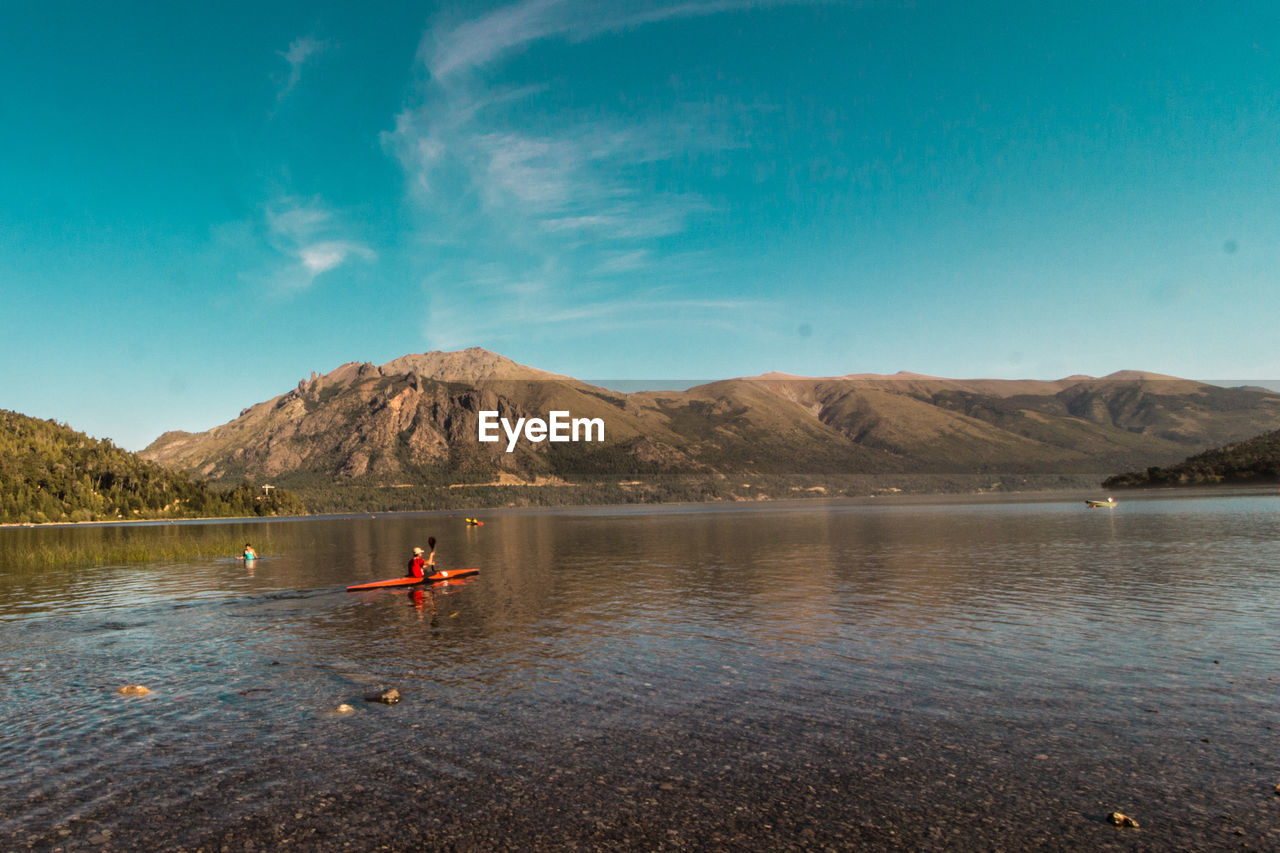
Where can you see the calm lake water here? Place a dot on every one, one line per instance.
(908, 675)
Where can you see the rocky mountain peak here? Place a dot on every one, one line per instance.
(473, 364)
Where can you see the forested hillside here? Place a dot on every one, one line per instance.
(1255, 460)
(50, 472)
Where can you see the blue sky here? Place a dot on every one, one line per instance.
(200, 205)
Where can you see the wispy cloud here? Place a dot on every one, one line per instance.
(576, 209)
(467, 162)
(478, 42)
(322, 257)
(474, 44)
(311, 241)
(300, 52)
(623, 262)
(457, 319)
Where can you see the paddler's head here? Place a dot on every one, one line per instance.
(417, 550)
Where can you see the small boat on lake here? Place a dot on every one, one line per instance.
(1093, 503)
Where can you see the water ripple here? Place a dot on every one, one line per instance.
(708, 643)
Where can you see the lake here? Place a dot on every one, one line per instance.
(912, 674)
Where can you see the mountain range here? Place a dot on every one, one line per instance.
(405, 434)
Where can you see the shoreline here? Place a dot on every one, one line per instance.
(896, 497)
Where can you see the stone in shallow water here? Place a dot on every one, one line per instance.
(1122, 820)
(386, 697)
(134, 690)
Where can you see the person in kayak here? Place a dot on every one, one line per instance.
(420, 566)
(417, 564)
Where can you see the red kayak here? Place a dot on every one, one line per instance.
(412, 581)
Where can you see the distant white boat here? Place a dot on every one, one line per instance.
(1095, 504)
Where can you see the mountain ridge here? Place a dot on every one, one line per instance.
(414, 421)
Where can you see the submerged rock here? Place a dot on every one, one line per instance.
(134, 690)
(386, 697)
(1122, 820)
(344, 708)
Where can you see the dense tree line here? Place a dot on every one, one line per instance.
(1255, 460)
(50, 473)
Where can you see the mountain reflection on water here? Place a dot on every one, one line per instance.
(915, 674)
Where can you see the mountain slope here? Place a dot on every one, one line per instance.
(50, 472)
(414, 421)
(395, 423)
(1250, 462)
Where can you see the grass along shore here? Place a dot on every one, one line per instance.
(38, 555)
